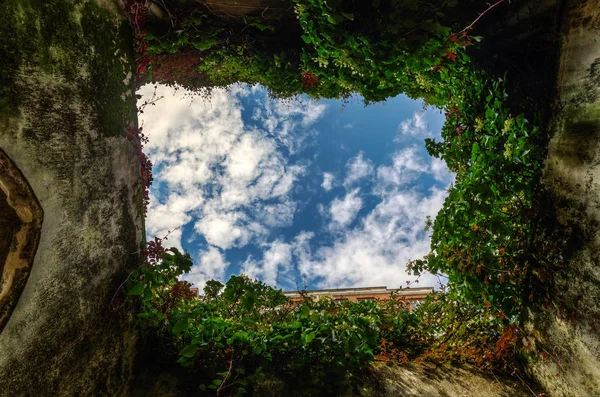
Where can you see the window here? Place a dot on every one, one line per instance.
(414, 303)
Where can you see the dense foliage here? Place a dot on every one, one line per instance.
(482, 236)
(239, 333)
(482, 239)
(332, 49)
(486, 239)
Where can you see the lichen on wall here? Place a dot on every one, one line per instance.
(567, 330)
(66, 98)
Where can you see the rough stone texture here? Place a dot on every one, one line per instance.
(65, 98)
(413, 380)
(382, 380)
(439, 381)
(568, 331)
(238, 8)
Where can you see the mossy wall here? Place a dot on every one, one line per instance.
(567, 352)
(66, 97)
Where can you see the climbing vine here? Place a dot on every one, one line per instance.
(482, 238)
(240, 333)
(486, 240)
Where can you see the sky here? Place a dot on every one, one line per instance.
(300, 194)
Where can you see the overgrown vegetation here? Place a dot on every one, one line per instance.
(486, 239)
(239, 333)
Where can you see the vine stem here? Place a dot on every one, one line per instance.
(481, 15)
(227, 375)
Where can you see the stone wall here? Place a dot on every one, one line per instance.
(381, 380)
(65, 99)
(567, 359)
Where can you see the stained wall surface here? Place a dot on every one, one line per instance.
(568, 328)
(65, 99)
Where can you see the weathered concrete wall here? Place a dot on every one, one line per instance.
(440, 381)
(569, 330)
(407, 380)
(414, 380)
(65, 98)
(239, 8)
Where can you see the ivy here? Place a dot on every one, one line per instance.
(238, 333)
(486, 239)
(481, 237)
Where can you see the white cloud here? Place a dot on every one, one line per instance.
(415, 127)
(357, 168)
(290, 120)
(407, 166)
(277, 215)
(376, 251)
(231, 181)
(224, 230)
(170, 216)
(328, 179)
(344, 211)
(209, 265)
(274, 266)
(440, 171)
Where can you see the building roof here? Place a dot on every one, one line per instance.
(360, 291)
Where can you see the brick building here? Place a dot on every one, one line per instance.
(412, 295)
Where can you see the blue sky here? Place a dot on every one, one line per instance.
(297, 193)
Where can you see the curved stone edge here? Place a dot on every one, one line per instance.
(18, 263)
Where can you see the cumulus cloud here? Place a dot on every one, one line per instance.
(209, 265)
(232, 183)
(328, 179)
(230, 180)
(440, 171)
(290, 121)
(415, 127)
(357, 168)
(407, 166)
(224, 230)
(377, 248)
(344, 211)
(376, 251)
(371, 250)
(275, 264)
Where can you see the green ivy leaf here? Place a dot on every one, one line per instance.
(181, 325)
(137, 289)
(348, 16)
(189, 351)
(309, 337)
(205, 45)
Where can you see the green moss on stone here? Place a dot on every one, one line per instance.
(73, 41)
